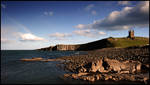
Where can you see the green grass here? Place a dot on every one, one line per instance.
(127, 42)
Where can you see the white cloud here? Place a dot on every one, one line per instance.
(125, 19)
(93, 12)
(3, 6)
(4, 40)
(102, 33)
(80, 26)
(124, 3)
(89, 7)
(7, 41)
(30, 37)
(45, 13)
(60, 35)
(88, 33)
(49, 13)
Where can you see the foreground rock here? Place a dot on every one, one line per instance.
(112, 65)
(109, 76)
(110, 69)
(117, 64)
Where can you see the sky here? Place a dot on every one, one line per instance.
(28, 25)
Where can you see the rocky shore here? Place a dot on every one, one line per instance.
(116, 64)
(130, 64)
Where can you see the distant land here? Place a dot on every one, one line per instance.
(122, 42)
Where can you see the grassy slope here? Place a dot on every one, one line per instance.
(111, 42)
(127, 42)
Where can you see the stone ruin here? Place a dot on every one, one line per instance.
(131, 34)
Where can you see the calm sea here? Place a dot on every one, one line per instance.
(14, 71)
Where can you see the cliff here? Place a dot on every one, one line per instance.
(104, 43)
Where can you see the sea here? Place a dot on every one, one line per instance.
(15, 71)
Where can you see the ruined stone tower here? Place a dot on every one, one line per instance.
(131, 34)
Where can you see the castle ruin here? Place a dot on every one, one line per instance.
(131, 34)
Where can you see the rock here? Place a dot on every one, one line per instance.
(82, 74)
(91, 78)
(82, 69)
(76, 76)
(33, 59)
(98, 76)
(124, 72)
(108, 65)
(105, 76)
(146, 80)
(67, 75)
(97, 66)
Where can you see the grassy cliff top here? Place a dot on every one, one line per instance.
(128, 42)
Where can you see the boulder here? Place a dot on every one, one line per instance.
(113, 65)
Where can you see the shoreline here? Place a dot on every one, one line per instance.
(132, 65)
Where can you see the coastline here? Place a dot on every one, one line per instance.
(132, 65)
(79, 65)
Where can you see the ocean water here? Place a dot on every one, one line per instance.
(14, 71)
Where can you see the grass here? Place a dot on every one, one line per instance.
(128, 42)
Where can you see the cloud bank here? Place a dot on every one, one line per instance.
(89, 7)
(30, 37)
(88, 33)
(125, 19)
(124, 3)
(49, 13)
(60, 36)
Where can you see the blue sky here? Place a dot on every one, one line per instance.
(32, 25)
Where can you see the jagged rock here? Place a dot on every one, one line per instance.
(91, 78)
(82, 69)
(97, 66)
(113, 76)
(109, 65)
(98, 76)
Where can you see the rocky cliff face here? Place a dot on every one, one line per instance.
(67, 47)
(88, 46)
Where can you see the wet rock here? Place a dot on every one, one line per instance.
(33, 59)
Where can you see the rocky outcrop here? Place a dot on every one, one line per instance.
(110, 69)
(105, 65)
(61, 47)
(113, 76)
